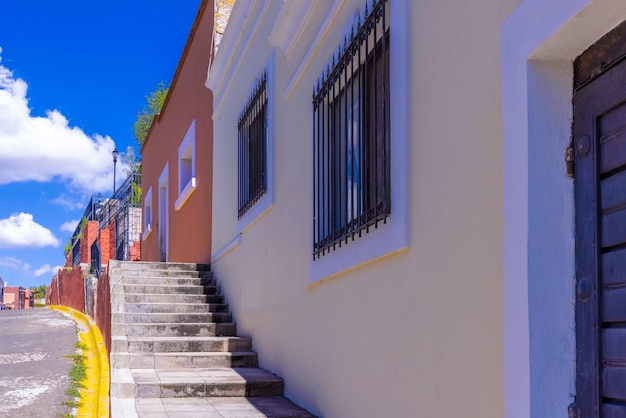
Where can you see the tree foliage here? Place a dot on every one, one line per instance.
(39, 291)
(154, 103)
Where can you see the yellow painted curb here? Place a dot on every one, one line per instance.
(94, 399)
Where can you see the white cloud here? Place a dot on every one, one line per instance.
(70, 204)
(14, 263)
(47, 148)
(47, 269)
(21, 231)
(69, 226)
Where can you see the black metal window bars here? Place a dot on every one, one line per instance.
(351, 135)
(252, 133)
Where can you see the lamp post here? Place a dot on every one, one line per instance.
(115, 155)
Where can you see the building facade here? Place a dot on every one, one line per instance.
(177, 158)
(358, 201)
(394, 219)
(15, 297)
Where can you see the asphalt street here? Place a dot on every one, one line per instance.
(33, 369)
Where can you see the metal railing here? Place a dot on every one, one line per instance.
(122, 211)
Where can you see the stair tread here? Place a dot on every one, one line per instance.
(183, 338)
(259, 407)
(196, 353)
(203, 375)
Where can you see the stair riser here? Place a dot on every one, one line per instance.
(157, 265)
(191, 362)
(176, 330)
(203, 390)
(243, 344)
(167, 273)
(174, 298)
(171, 290)
(179, 318)
(175, 308)
(172, 281)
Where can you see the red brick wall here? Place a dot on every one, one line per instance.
(90, 234)
(70, 287)
(103, 308)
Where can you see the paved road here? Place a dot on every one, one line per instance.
(33, 371)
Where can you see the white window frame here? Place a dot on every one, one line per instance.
(266, 201)
(186, 152)
(164, 213)
(394, 236)
(147, 220)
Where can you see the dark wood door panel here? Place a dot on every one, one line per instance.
(613, 264)
(614, 344)
(614, 383)
(614, 305)
(613, 411)
(613, 229)
(613, 151)
(613, 192)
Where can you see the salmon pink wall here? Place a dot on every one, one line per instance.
(189, 233)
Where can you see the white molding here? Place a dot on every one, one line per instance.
(164, 180)
(329, 21)
(293, 19)
(185, 191)
(147, 227)
(229, 74)
(185, 194)
(394, 236)
(234, 243)
(266, 202)
(231, 39)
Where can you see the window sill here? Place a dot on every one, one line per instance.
(146, 233)
(185, 193)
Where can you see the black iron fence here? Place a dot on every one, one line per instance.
(122, 211)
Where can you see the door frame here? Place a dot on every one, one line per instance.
(540, 41)
(164, 216)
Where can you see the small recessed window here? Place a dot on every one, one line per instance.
(187, 166)
(147, 214)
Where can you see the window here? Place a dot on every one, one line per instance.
(186, 166)
(252, 152)
(351, 129)
(147, 214)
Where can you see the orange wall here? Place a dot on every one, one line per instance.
(189, 227)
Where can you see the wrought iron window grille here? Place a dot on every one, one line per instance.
(252, 147)
(351, 135)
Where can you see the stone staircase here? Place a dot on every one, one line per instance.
(175, 350)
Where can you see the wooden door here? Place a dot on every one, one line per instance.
(599, 138)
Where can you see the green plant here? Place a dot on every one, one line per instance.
(135, 199)
(77, 374)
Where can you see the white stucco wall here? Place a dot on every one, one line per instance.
(416, 333)
(540, 41)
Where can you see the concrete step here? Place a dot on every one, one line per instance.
(167, 273)
(180, 344)
(150, 318)
(156, 265)
(222, 359)
(173, 298)
(258, 407)
(175, 307)
(180, 281)
(174, 329)
(202, 382)
(169, 289)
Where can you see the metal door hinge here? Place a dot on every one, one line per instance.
(570, 156)
(572, 411)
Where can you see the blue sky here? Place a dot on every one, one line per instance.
(73, 76)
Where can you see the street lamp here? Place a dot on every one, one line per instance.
(115, 155)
